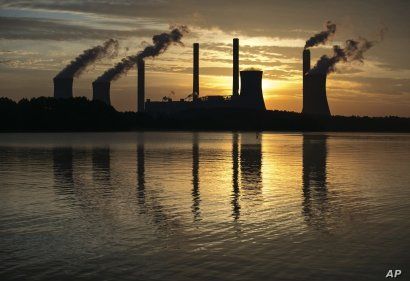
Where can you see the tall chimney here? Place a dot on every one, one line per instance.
(306, 68)
(235, 86)
(195, 87)
(101, 91)
(306, 61)
(251, 90)
(63, 88)
(141, 85)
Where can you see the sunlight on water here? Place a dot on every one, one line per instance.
(203, 206)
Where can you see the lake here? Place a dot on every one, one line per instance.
(204, 206)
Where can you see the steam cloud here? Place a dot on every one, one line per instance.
(77, 66)
(353, 51)
(161, 42)
(322, 37)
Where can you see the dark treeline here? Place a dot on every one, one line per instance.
(80, 114)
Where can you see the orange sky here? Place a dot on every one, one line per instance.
(38, 39)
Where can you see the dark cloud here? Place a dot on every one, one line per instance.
(259, 17)
(42, 29)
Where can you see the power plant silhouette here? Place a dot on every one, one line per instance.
(248, 96)
(314, 89)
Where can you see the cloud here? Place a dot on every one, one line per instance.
(42, 29)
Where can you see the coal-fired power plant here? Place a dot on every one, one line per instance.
(314, 89)
(101, 91)
(63, 87)
(250, 95)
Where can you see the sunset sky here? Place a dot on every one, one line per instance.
(38, 38)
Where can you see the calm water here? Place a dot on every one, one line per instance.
(204, 206)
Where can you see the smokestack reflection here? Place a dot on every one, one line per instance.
(195, 179)
(314, 179)
(236, 208)
(101, 164)
(141, 171)
(63, 168)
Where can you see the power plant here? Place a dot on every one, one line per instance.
(314, 89)
(247, 95)
(250, 96)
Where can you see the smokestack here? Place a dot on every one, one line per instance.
(101, 91)
(141, 85)
(306, 69)
(195, 87)
(235, 86)
(251, 89)
(306, 61)
(314, 95)
(63, 88)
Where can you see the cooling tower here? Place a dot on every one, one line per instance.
(314, 90)
(141, 86)
(314, 94)
(251, 90)
(195, 86)
(235, 59)
(63, 88)
(101, 91)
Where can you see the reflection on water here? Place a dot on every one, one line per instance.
(195, 178)
(236, 208)
(251, 161)
(101, 163)
(203, 206)
(314, 178)
(63, 167)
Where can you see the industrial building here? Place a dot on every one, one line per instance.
(314, 89)
(250, 96)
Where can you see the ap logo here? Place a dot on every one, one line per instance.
(393, 273)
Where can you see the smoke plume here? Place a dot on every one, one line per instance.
(352, 51)
(322, 37)
(161, 42)
(77, 66)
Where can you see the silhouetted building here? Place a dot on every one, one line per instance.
(195, 86)
(314, 90)
(235, 61)
(251, 90)
(250, 97)
(141, 85)
(63, 88)
(101, 91)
